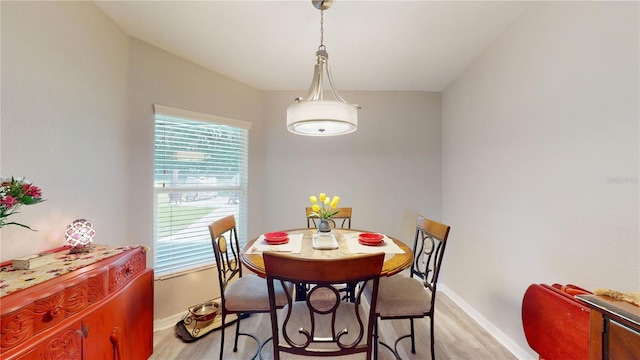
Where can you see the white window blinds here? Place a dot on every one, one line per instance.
(200, 175)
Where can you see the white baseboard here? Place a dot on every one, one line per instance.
(167, 322)
(172, 320)
(503, 339)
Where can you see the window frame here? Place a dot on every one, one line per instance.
(164, 268)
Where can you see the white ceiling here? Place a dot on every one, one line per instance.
(372, 45)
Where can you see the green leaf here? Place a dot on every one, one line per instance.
(15, 223)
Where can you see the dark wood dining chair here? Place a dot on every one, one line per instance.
(342, 220)
(413, 297)
(240, 294)
(323, 325)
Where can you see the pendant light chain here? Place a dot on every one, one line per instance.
(321, 29)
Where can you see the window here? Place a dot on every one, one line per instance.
(200, 175)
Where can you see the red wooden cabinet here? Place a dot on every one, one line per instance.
(615, 328)
(100, 311)
(124, 323)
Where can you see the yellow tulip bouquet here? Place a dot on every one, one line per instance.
(324, 209)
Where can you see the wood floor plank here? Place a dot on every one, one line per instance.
(458, 337)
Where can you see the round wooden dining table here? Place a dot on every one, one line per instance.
(393, 263)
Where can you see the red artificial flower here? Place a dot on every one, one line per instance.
(8, 201)
(13, 194)
(32, 191)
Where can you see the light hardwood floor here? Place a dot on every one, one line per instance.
(457, 336)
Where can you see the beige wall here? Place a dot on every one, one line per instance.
(540, 160)
(64, 121)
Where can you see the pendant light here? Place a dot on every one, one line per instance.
(313, 115)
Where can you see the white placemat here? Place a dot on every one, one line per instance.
(294, 245)
(389, 247)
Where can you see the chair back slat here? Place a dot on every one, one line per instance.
(342, 220)
(323, 325)
(428, 249)
(226, 249)
(433, 228)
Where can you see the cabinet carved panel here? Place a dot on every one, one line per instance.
(48, 312)
(96, 287)
(76, 298)
(16, 327)
(67, 345)
(120, 274)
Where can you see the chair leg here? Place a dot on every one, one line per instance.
(375, 340)
(224, 315)
(413, 338)
(350, 292)
(235, 342)
(433, 347)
